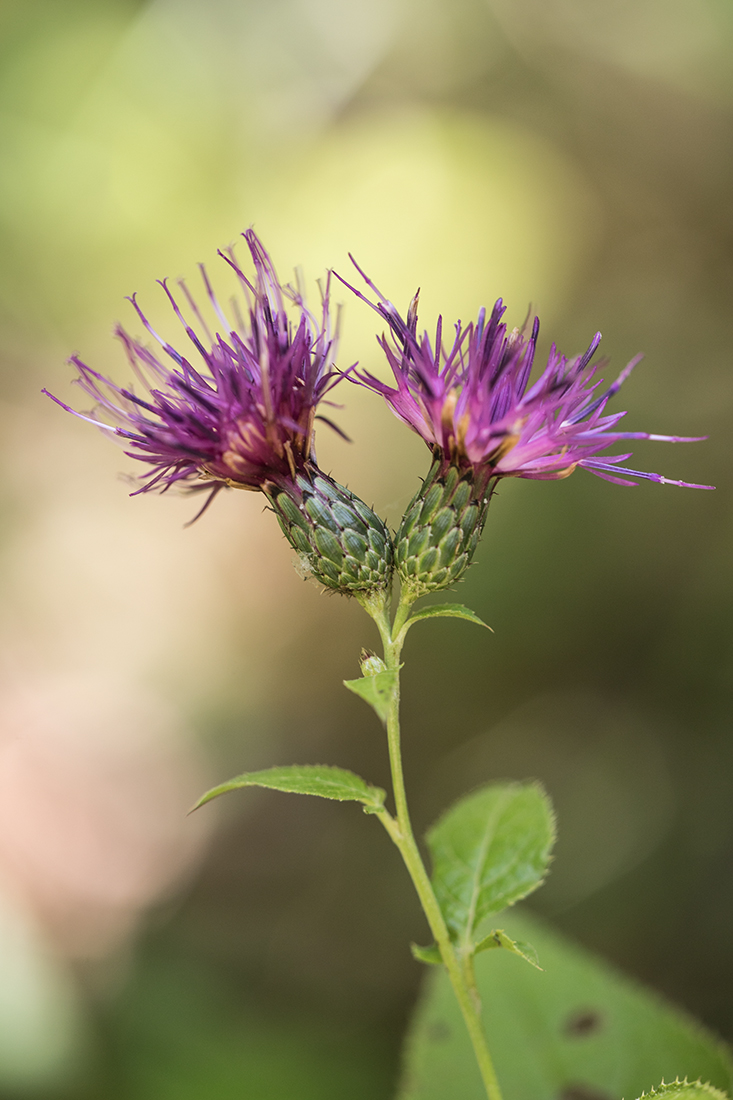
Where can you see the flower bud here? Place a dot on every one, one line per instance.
(370, 664)
(340, 540)
(440, 531)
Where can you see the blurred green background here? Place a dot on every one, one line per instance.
(572, 154)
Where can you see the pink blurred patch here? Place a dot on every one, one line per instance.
(96, 777)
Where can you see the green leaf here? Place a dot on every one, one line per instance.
(499, 938)
(489, 850)
(447, 611)
(430, 955)
(375, 690)
(685, 1090)
(577, 1029)
(317, 779)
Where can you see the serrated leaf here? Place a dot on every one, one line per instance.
(685, 1090)
(430, 955)
(315, 779)
(577, 1029)
(489, 850)
(499, 938)
(447, 611)
(375, 690)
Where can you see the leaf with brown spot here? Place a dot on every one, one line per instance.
(584, 1022)
(578, 1030)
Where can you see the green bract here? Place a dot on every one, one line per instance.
(341, 541)
(439, 532)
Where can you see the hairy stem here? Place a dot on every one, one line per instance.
(400, 830)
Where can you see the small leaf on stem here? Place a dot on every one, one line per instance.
(375, 690)
(315, 779)
(430, 955)
(489, 850)
(447, 611)
(499, 938)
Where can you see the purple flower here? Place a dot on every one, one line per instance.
(476, 409)
(240, 412)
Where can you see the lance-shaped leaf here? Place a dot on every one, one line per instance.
(447, 611)
(489, 850)
(316, 779)
(375, 690)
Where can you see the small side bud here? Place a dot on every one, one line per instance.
(370, 664)
(440, 531)
(341, 541)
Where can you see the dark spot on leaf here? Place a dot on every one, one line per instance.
(587, 1021)
(583, 1092)
(438, 1031)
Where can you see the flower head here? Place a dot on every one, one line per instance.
(240, 411)
(473, 403)
(242, 414)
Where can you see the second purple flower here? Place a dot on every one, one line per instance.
(473, 402)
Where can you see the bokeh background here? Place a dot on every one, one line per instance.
(575, 155)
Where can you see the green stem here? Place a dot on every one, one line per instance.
(400, 830)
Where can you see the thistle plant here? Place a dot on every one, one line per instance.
(240, 413)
